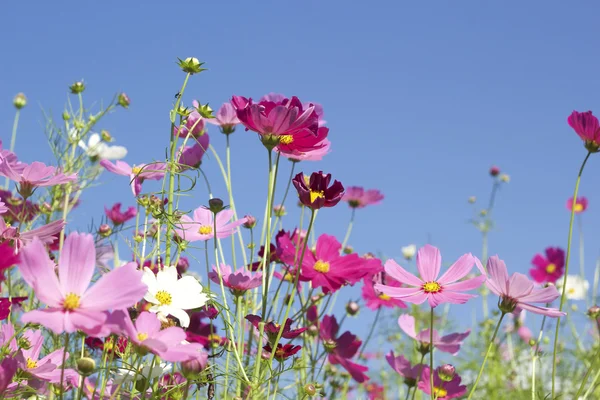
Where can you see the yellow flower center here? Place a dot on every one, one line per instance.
(71, 302)
(205, 230)
(164, 298)
(440, 392)
(31, 364)
(321, 266)
(286, 139)
(431, 287)
(136, 170)
(306, 179)
(571, 290)
(288, 277)
(550, 268)
(314, 195)
(384, 296)
(109, 345)
(142, 336)
(578, 207)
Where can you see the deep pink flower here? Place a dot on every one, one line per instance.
(226, 118)
(358, 197)
(192, 156)
(6, 305)
(119, 217)
(8, 258)
(47, 234)
(445, 289)
(581, 204)
(137, 174)
(342, 348)
(306, 148)
(194, 121)
(587, 127)
(403, 367)
(374, 298)
(284, 351)
(548, 268)
(33, 175)
(315, 192)
(313, 155)
(271, 328)
(442, 390)
(517, 291)
(238, 281)
(325, 267)
(3, 208)
(449, 343)
(72, 304)
(201, 225)
(375, 391)
(8, 369)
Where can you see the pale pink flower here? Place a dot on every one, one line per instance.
(449, 343)
(33, 175)
(192, 156)
(47, 234)
(238, 281)
(358, 197)
(72, 304)
(445, 289)
(226, 118)
(403, 367)
(201, 225)
(3, 208)
(12, 159)
(137, 174)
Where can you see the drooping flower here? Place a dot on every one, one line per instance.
(442, 390)
(137, 174)
(576, 287)
(445, 289)
(358, 197)
(550, 267)
(580, 205)
(271, 329)
(373, 298)
(341, 348)
(47, 234)
(119, 217)
(96, 149)
(72, 304)
(284, 351)
(172, 296)
(586, 125)
(191, 156)
(315, 192)
(226, 118)
(449, 343)
(238, 281)
(403, 367)
(201, 225)
(33, 175)
(517, 291)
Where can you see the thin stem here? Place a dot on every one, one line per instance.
(13, 138)
(582, 256)
(349, 229)
(585, 377)
(564, 284)
(62, 368)
(431, 353)
(418, 375)
(487, 354)
(364, 346)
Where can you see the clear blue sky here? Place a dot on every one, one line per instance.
(421, 99)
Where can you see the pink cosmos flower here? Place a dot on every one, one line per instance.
(342, 348)
(283, 352)
(72, 304)
(358, 197)
(12, 159)
(47, 234)
(375, 299)
(18, 209)
(119, 217)
(306, 148)
(192, 156)
(580, 204)
(194, 121)
(201, 225)
(137, 174)
(403, 367)
(312, 155)
(33, 175)
(315, 192)
(325, 267)
(442, 390)
(548, 268)
(446, 289)
(3, 208)
(449, 343)
(517, 291)
(8, 369)
(587, 127)
(238, 281)
(226, 118)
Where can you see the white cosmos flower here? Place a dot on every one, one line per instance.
(576, 287)
(171, 296)
(96, 148)
(409, 251)
(126, 375)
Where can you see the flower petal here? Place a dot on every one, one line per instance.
(458, 270)
(429, 261)
(120, 288)
(77, 262)
(400, 274)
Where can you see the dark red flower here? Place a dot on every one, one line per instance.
(315, 192)
(283, 352)
(272, 328)
(6, 305)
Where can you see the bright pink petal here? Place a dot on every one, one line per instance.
(467, 284)
(77, 263)
(400, 274)
(86, 321)
(429, 262)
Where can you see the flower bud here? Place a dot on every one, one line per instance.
(19, 101)
(45, 208)
(352, 308)
(574, 307)
(446, 372)
(66, 116)
(505, 178)
(279, 210)
(191, 65)
(192, 368)
(77, 87)
(348, 250)
(494, 171)
(205, 111)
(483, 213)
(594, 312)
(472, 199)
(123, 100)
(313, 330)
(106, 136)
(104, 230)
(408, 252)
(86, 366)
(532, 342)
(250, 222)
(310, 389)
(329, 345)
(216, 205)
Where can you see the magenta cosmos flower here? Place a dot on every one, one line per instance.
(315, 192)
(119, 217)
(449, 343)
(271, 328)
(517, 291)
(442, 390)
(445, 289)
(550, 267)
(373, 298)
(325, 267)
(72, 304)
(201, 225)
(33, 175)
(586, 125)
(403, 367)
(226, 118)
(341, 348)
(238, 281)
(580, 204)
(191, 157)
(137, 174)
(3, 208)
(8, 369)
(358, 197)
(306, 148)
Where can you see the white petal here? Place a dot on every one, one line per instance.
(167, 278)
(94, 140)
(182, 316)
(113, 152)
(150, 280)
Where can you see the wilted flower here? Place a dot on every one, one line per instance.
(315, 192)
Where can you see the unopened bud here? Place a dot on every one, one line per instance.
(446, 372)
(472, 199)
(106, 136)
(191, 65)
(310, 389)
(66, 116)
(123, 100)
(19, 101)
(45, 208)
(86, 366)
(348, 250)
(505, 178)
(352, 308)
(104, 230)
(532, 342)
(279, 210)
(250, 222)
(594, 312)
(313, 330)
(494, 171)
(77, 87)
(216, 205)
(193, 367)
(574, 307)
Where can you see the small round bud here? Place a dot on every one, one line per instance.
(310, 389)
(45, 208)
(574, 307)
(106, 136)
(313, 330)
(104, 230)
(191, 65)
(594, 312)
(348, 250)
(505, 178)
(216, 205)
(494, 171)
(329, 345)
(66, 116)
(123, 100)
(19, 101)
(446, 372)
(532, 342)
(472, 199)
(250, 222)
(483, 213)
(546, 340)
(86, 366)
(193, 367)
(77, 87)
(279, 210)
(352, 308)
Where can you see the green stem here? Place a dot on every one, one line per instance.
(585, 377)
(13, 138)
(431, 347)
(418, 375)
(62, 368)
(487, 354)
(364, 346)
(582, 256)
(564, 284)
(349, 229)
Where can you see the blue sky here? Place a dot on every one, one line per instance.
(421, 99)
